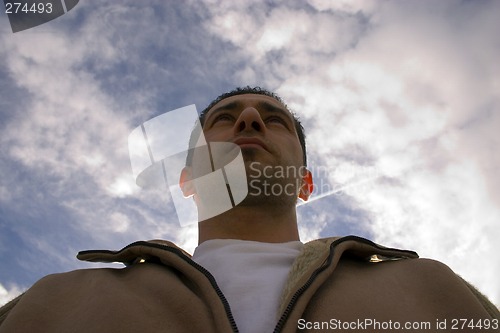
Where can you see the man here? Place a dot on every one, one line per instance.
(250, 272)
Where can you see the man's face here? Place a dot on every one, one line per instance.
(260, 125)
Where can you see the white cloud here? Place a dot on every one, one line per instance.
(187, 237)
(123, 186)
(445, 215)
(9, 293)
(259, 30)
(119, 222)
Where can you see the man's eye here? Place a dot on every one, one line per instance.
(276, 120)
(223, 117)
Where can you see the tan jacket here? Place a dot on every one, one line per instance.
(335, 283)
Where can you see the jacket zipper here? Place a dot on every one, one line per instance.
(326, 263)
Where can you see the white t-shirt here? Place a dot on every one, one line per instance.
(251, 275)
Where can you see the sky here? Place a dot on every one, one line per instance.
(400, 101)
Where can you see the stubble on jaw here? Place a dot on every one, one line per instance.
(269, 188)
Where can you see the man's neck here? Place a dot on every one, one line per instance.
(267, 224)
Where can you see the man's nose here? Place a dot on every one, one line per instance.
(249, 120)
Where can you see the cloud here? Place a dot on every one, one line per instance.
(9, 294)
(65, 148)
(416, 98)
(70, 131)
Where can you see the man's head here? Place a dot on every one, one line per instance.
(270, 138)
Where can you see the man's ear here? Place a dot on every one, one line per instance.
(185, 182)
(307, 186)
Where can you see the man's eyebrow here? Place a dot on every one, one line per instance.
(226, 107)
(269, 107)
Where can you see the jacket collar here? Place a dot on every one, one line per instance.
(358, 247)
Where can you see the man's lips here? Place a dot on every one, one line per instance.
(248, 142)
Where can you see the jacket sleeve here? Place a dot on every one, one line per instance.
(4, 310)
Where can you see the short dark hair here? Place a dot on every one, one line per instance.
(241, 91)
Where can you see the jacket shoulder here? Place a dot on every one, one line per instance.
(42, 289)
(442, 279)
(427, 282)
